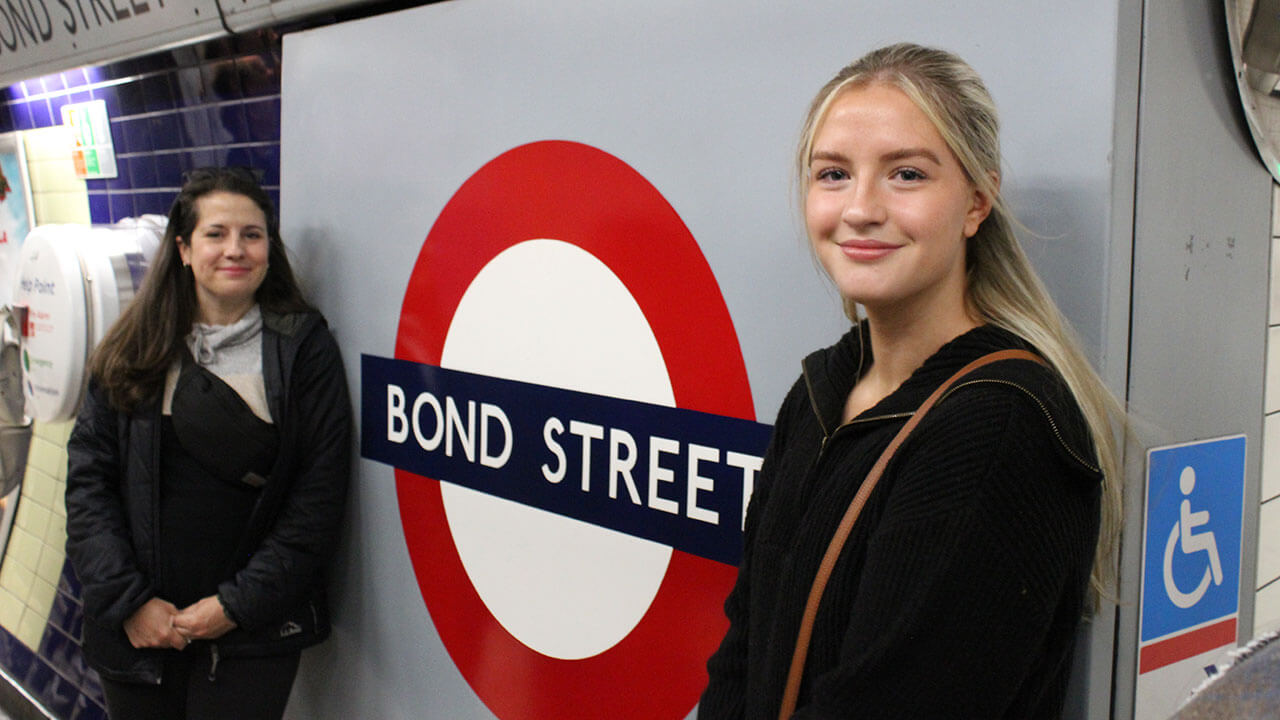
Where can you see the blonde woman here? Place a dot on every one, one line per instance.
(959, 588)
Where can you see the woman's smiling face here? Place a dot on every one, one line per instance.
(227, 253)
(888, 206)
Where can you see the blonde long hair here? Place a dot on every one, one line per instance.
(1002, 285)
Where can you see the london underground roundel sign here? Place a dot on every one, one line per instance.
(571, 424)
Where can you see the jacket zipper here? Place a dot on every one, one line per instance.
(1053, 425)
(213, 662)
(155, 503)
(813, 404)
(861, 421)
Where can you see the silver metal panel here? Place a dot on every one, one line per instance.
(1092, 681)
(1200, 266)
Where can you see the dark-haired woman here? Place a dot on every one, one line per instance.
(208, 470)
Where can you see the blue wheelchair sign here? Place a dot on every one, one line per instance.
(1191, 546)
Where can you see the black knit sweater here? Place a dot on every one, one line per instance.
(958, 593)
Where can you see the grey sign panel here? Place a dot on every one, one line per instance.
(385, 119)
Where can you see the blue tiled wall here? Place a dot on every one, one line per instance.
(211, 104)
(55, 673)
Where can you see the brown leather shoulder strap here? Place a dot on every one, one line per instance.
(834, 548)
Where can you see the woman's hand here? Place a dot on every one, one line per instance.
(204, 620)
(151, 626)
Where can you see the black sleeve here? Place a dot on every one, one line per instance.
(99, 543)
(986, 532)
(285, 567)
(725, 696)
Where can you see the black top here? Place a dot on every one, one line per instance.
(960, 588)
(202, 519)
(275, 593)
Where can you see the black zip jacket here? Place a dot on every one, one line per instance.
(960, 588)
(277, 595)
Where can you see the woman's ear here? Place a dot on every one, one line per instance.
(983, 201)
(184, 251)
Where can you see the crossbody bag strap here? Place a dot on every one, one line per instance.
(834, 548)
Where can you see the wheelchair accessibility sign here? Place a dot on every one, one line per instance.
(1191, 550)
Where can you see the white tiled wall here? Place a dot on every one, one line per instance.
(57, 195)
(1267, 603)
(35, 554)
(34, 557)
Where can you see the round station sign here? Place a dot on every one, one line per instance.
(559, 265)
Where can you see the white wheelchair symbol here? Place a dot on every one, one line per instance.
(1183, 530)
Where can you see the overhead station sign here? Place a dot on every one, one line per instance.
(570, 418)
(40, 37)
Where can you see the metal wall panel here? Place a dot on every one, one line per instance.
(1200, 266)
(385, 118)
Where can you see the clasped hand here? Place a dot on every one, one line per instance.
(160, 624)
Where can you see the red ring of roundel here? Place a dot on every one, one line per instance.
(578, 194)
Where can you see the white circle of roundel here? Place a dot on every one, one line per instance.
(550, 313)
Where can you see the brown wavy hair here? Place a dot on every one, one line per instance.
(131, 361)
